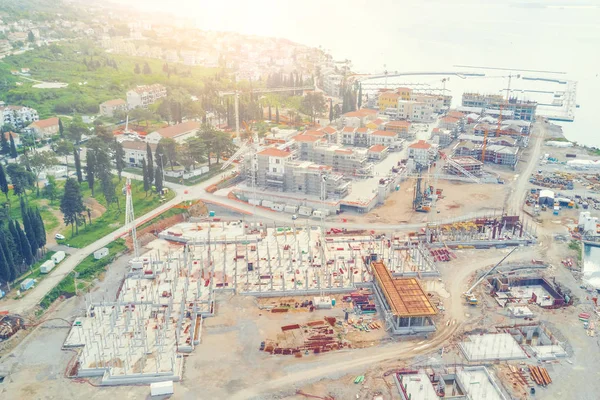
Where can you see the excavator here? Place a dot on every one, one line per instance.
(469, 296)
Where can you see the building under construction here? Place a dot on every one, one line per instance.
(470, 164)
(405, 304)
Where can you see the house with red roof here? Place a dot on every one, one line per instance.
(178, 132)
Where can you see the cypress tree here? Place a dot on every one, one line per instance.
(13, 148)
(4, 145)
(41, 229)
(5, 269)
(7, 253)
(90, 169)
(29, 227)
(17, 251)
(77, 158)
(277, 114)
(158, 180)
(359, 96)
(270, 115)
(3, 182)
(149, 163)
(61, 129)
(25, 246)
(145, 177)
(330, 110)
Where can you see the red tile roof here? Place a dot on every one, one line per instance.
(343, 151)
(137, 145)
(421, 144)
(45, 123)
(274, 152)
(306, 138)
(348, 129)
(377, 121)
(384, 133)
(329, 130)
(456, 114)
(378, 148)
(362, 130)
(363, 112)
(315, 133)
(114, 103)
(179, 129)
(398, 123)
(449, 120)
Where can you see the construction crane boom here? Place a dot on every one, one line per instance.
(468, 292)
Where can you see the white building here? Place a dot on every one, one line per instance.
(179, 132)
(143, 96)
(420, 152)
(136, 151)
(18, 116)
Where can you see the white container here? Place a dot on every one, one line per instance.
(305, 211)
(277, 207)
(58, 257)
(290, 209)
(46, 267)
(267, 203)
(161, 388)
(98, 254)
(254, 202)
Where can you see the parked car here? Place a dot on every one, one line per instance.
(58, 236)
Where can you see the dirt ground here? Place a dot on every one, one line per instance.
(458, 199)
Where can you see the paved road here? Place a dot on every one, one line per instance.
(35, 295)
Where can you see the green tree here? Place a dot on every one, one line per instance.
(29, 227)
(360, 95)
(147, 70)
(50, 190)
(20, 178)
(13, 148)
(330, 110)
(39, 162)
(108, 188)
(61, 128)
(169, 147)
(119, 156)
(277, 115)
(71, 204)
(3, 182)
(90, 170)
(145, 177)
(270, 115)
(41, 228)
(30, 37)
(77, 129)
(77, 158)
(4, 144)
(313, 104)
(149, 163)
(158, 180)
(24, 245)
(136, 70)
(64, 148)
(15, 243)
(5, 268)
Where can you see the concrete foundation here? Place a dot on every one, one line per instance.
(491, 347)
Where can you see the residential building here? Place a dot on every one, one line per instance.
(504, 130)
(179, 132)
(400, 127)
(389, 139)
(45, 127)
(494, 153)
(502, 140)
(143, 96)
(358, 118)
(437, 103)
(389, 99)
(470, 164)
(443, 137)
(411, 110)
(422, 153)
(377, 124)
(332, 84)
(517, 109)
(108, 108)
(135, 151)
(450, 123)
(18, 116)
(277, 170)
(377, 152)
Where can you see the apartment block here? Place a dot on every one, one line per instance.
(520, 110)
(468, 163)
(143, 96)
(18, 116)
(422, 153)
(277, 170)
(402, 128)
(365, 137)
(494, 153)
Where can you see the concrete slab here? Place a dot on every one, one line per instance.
(479, 384)
(500, 346)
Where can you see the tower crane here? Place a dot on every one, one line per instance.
(469, 296)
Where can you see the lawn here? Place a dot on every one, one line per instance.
(51, 222)
(87, 87)
(88, 270)
(113, 217)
